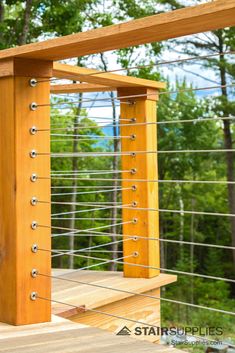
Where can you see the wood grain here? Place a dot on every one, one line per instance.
(80, 88)
(205, 17)
(16, 211)
(25, 68)
(143, 110)
(92, 297)
(107, 79)
(62, 336)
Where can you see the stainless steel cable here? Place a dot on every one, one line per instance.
(95, 137)
(87, 230)
(202, 339)
(165, 62)
(131, 207)
(97, 172)
(152, 238)
(178, 121)
(140, 294)
(218, 182)
(87, 219)
(71, 252)
(85, 117)
(133, 153)
(90, 192)
(138, 95)
(160, 63)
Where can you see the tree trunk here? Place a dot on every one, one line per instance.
(72, 222)
(26, 22)
(228, 144)
(192, 226)
(114, 211)
(1, 11)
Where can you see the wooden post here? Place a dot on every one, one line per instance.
(144, 166)
(17, 260)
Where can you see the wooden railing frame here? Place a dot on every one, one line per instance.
(18, 240)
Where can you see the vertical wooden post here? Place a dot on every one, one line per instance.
(17, 259)
(144, 166)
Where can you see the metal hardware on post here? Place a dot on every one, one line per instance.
(34, 225)
(33, 82)
(33, 154)
(33, 296)
(33, 130)
(34, 201)
(33, 106)
(33, 177)
(34, 248)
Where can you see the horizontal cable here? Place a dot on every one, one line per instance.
(93, 137)
(95, 251)
(118, 317)
(133, 153)
(160, 63)
(86, 230)
(172, 271)
(87, 218)
(178, 121)
(165, 62)
(83, 203)
(81, 186)
(97, 172)
(90, 192)
(159, 181)
(192, 274)
(88, 257)
(139, 95)
(71, 252)
(152, 238)
(85, 117)
(136, 96)
(139, 294)
(81, 211)
(131, 207)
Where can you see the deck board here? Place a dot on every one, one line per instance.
(63, 336)
(93, 297)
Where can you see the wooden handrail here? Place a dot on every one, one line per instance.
(190, 20)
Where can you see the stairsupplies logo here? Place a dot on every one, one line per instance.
(170, 331)
(124, 332)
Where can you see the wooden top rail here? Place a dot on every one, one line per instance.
(206, 17)
(83, 74)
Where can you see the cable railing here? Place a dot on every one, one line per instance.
(94, 195)
(123, 186)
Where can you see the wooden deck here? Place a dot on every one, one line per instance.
(121, 301)
(64, 336)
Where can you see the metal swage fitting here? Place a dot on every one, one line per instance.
(34, 248)
(33, 130)
(33, 82)
(33, 296)
(33, 106)
(33, 154)
(33, 177)
(34, 225)
(34, 201)
(34, 273)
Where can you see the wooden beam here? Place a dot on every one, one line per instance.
(80, 88)
(206, 17)
(16, 191)
(83, 74)
(144, 194)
